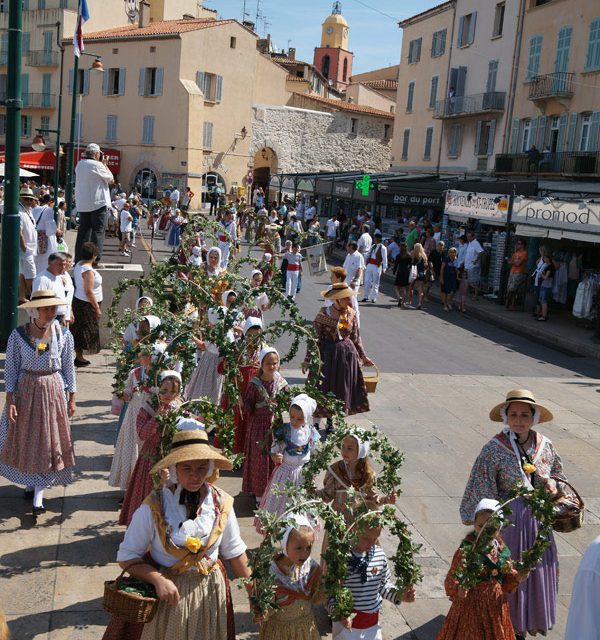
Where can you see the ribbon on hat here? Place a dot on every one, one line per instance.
(297, 520)
(265, 352)
(307, 404)
(252, 322)
(363, 447)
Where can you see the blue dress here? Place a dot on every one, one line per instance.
(449, 271)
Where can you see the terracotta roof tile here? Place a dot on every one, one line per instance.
(381, 84)
(292, 78)
(160, 29)
(348, 106)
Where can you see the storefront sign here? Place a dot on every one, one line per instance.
(491, 208)
(364, 185)
(337, 189)
(416, 201)
(570, 216)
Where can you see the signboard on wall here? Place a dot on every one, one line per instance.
(491, 208)
(568, 216)
(114, 158)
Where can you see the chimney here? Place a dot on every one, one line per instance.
(144, 20)
(292, 53)
(249, 24)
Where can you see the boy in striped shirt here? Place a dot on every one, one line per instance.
(370, 581)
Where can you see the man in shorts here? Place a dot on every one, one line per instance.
(28, 240)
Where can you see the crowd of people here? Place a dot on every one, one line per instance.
(181, 526)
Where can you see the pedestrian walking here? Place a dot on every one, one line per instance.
(354, 264)
(448, 278)
(376, 262)
(517, 275)
(419, 262)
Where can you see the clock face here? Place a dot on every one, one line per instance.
(346, 32)
(329, 30)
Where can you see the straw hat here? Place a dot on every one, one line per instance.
(43, 298)
(26, 192)
(338, 290)
(520, 395)
(192, 445)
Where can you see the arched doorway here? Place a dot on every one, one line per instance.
(145, 182)
(265, 165)
(211, 180)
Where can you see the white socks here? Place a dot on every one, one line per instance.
(38, 497)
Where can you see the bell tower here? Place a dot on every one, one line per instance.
(332, 58)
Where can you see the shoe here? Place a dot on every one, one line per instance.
(364, 300)
(400, 304)
(373, 301)
(28, 495)
(542, 319)
(82, 363)
(38, 510)
(133, 244)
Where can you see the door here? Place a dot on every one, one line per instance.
(554, 129)
(48, 39)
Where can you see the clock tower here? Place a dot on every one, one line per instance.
(332, 58)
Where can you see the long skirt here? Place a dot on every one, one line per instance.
(140, 483)
(85, 329)
(342, 376)
(128, 444)
(277, 504)
(205, 381)
(533, 605)
(38, 450)
(294, 622)
(120, 630)
(258, 465)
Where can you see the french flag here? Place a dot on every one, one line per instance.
(83, 15)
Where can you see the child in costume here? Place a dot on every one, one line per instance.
(297, 578)
(260, 395)
(370, 581)
(482, 612)
(291, 450)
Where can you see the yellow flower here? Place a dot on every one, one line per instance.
(529, 468)
(193, 544)
(42, 346)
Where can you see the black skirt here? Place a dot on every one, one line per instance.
(85, 328)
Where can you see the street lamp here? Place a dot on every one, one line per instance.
(96, 66)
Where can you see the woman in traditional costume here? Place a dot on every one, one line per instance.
(518, 454)
(35, 432)
(188, 528)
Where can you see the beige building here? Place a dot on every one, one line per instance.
(422, 80)
(175, 99)
(384, 81)
(40, 79)
(557, 98)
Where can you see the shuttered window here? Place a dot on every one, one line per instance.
(438, 43)
(405, 143)
(414, 50)
(428, 143)
(592, 61)
(433, 91)
(535, 54)
(455, 141)
(410, 96)
(111, 128)
(207, 135)
(148, 130)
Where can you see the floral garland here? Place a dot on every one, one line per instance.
(539, 502)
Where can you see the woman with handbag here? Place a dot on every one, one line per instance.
(418, 273)
(519, 454)
(189, 526)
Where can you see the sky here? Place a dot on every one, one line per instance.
(375, 38)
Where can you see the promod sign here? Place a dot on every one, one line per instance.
(569, 216)
(491, 208)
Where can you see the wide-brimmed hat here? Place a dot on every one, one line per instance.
(192, 445)
(43, 298)
(520, 395)
(26, 192)
(338, 291)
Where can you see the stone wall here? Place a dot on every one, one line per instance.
(306, 140)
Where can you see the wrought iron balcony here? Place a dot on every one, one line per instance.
(564, 163)
(551, 85)
(464, 106)
(42, 59)
(34, 100)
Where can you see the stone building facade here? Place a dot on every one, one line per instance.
(306, 140)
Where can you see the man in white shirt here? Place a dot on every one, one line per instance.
(51, 278)
(174, 198)
(375, 262)
(92, 195)
(226, 226)
(28, 239)
(310, 213)
(583, 622)
(365, 242)
(333, 227)
(126, 221)
(472, 262)
(354, 265)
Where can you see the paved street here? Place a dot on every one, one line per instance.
(441, 373)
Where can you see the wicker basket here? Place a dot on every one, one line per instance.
(371, 380)
(127, 606)
(564, 523)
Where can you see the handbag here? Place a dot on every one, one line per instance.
(413, 274)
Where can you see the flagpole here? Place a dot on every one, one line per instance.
(71, 143)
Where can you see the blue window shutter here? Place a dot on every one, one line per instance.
(219, 89)
(492, 137)
(86, 82)
(115, 123)
(105, 82)
(563, 45)
(145, 130)
(71, 78)
(158, 86)
(29, 121)
(541, 133)
(592, 61)
(514, 138)
(535, 51)
(200, 80)
(492, 76)
(433, 92)
(472, 23)
(477, 137)
(25, 89)
(108, 127)
(562, 133)
(48, 40)
(442, 43)
(152, 129)
(461, 26)
(410, 96)
(594, 142)
(122, 81)
(419, 44)
(534, 126)
(570, 142)
(142, 82)
(428, 143)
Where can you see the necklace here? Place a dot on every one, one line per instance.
(42, 328)
(524, 441)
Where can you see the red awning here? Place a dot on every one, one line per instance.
(37, 160)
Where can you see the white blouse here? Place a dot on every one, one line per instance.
(142, 534)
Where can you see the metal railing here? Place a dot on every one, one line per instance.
(34, 100)
(457, 106)
(551, 85)
(565, 163)
(42, 58)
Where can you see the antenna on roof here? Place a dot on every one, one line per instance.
(337, 8)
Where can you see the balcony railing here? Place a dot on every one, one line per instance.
(551, 85)
(565, 163)
(34, 100)
(460, 106)
(42, 59)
